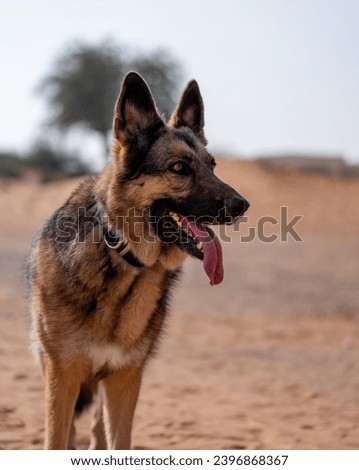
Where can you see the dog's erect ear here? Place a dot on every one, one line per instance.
(135, 109)
(190, 111)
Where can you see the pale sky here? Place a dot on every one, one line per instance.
(276, 75)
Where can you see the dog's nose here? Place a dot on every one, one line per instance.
(236, 206)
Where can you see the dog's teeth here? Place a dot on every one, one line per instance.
(199, 246)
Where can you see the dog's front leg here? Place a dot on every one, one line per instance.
(120, 392)
(61, 391)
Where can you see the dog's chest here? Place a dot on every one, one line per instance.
(113, 357)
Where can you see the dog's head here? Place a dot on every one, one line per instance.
(167, 171)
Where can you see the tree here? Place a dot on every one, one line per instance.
(82, 87)
(85, 82)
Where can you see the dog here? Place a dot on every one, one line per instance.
(101, 268)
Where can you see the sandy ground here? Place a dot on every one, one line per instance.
(268, 359)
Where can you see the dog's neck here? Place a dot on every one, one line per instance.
(133, 226)
(114, 240)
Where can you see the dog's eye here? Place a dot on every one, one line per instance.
(177, 167)
(181, 168)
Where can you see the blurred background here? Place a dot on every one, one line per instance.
(278, 77)
(268, 359)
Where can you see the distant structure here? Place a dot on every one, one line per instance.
(333, 165)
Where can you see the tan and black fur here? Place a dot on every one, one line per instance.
(96, 314)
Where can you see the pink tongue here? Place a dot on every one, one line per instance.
(212, 251)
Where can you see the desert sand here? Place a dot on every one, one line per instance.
(267, 360)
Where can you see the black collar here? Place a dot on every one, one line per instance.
(114, 242)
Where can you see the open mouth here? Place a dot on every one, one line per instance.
(199, 241)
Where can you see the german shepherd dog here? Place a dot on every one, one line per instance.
(102, 266)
